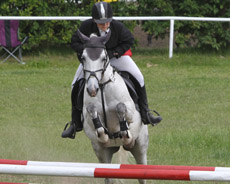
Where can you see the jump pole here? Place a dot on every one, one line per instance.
(113, 166)
(116, 173)
(13, 183)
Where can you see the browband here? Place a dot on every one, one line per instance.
(94, 45)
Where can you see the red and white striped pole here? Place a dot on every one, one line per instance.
(113, 166)
(116, 173)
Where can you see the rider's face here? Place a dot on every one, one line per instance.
(104, 26)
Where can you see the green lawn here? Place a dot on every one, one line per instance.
(191, 91)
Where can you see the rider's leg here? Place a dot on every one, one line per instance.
(77, 93)
(146, 116)
(78, 75)
(74, 126)
(125, 63)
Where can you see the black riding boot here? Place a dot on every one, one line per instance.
(75, 125)
(77, 100)
(146, 116)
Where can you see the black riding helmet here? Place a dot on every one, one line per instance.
(102, 12)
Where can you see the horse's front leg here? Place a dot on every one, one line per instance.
(100, 131)
(124, 128)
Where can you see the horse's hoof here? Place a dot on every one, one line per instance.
(102, 137)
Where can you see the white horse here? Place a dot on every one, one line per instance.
(110, 118)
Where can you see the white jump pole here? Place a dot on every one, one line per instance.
(82, 18)
(116, 173)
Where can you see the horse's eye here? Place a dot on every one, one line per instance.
(104, 59)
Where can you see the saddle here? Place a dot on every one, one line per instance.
(132, 85)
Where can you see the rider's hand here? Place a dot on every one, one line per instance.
(116, 54)
(112, 53)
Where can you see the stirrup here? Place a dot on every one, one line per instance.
(158, 118)
(72, 136)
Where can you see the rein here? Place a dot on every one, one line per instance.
(102, 86)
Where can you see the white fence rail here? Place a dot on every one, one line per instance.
(81, 18)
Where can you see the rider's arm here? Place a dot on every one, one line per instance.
(123, 39)
(76, 44)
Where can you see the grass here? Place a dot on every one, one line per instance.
(191, 91)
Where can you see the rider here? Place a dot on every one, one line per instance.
(118, 49)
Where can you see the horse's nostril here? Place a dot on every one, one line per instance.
(92, 92)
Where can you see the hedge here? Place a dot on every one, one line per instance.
(215, 35)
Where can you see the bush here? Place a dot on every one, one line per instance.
(215, 35)
(47, 33)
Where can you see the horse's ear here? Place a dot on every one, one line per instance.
(106, 37)
(82, 37)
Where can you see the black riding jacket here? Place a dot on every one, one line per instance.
(120, 40)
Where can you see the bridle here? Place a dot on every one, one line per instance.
(102, 70)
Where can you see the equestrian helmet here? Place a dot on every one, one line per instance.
(102, 12)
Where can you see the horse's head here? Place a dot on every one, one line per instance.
(94, 59)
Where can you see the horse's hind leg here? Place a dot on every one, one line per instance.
(104, 155)
(124, 128)
(140, 157)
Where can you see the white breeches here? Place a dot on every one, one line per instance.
(124, 63)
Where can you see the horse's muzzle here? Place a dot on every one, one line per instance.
(92, 86)
(92, 91)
